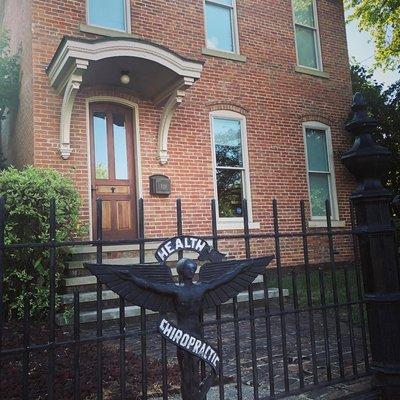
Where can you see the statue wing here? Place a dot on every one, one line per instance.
(145, 285)
(229, 278)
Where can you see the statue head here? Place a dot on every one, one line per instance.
(186, 269)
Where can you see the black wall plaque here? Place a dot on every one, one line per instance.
(160, 185)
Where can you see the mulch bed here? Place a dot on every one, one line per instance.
(11, 382)
(11, 367)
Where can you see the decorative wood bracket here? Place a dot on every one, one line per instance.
(174, 97)
(71, 88)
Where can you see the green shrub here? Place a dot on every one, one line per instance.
(27, 194)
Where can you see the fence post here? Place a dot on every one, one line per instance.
(375, 231)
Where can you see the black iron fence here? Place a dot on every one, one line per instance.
(297, 328)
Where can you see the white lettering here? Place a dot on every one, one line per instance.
(216, 361)
(200, 245)
(193, 242)
(197, 346)
(168, 247)
(202, 350)
(192, 341)
(168, 330)
(187, 244)
(185, 339)
(163, 323)
(172, 334)
(162, 253)
(178, 244)
(177, 336)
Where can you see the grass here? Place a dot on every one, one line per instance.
(316, 285)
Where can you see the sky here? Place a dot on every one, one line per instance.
(361, 47)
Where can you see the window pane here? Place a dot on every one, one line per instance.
(317, 152)
(100, 145)
(230, 193)
(120, 150)
(107, 13)
(228, 142)
(319, 193)
(219, 27)
(304, 12)
(306, 48)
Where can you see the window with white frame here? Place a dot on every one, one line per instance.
(230, 164)
(321, 178)
(307, 34)
(111, 14)
(221, 25)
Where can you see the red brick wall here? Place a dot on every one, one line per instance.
(17, 21)
(276, 99)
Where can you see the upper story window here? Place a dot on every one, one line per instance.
(111, 14)
(221, 25)
(321, 178)
(307, 34)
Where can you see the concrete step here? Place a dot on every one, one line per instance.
(150, 258)
(132, 250)
(134, 311)
(113, 248)
(91, 280)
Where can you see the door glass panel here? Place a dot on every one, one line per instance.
(230, 193)
(228, 142)
(107, 13)
(120, 150)
(100, 145)
(319, 193)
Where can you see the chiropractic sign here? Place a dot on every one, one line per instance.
(187, 342)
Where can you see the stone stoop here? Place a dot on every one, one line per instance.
(78, 278)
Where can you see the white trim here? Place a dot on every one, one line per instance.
(95, 51)
(233, 223)
(234, 22)
(332, 179)
(75, 56)
(127, 11)
(137, 152)
(72, 86)
(323, 224)
(317, 39)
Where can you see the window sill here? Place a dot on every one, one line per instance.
(309, 71)
(234, 225)
(224, 54)
(96, 30)
(323, 224)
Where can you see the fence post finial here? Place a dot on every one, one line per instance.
(369, 162)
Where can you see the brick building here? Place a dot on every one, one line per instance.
(229, 99)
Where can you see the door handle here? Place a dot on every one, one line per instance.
(113, 189)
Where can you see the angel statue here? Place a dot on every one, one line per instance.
(152, 286)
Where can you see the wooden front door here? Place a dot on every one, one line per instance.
(113, 169)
